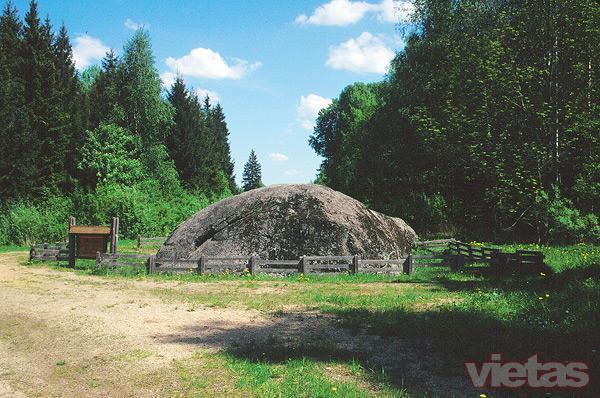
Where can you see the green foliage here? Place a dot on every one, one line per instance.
(252, 177)
(111, 155)
(563, 222)
(489, 104)
(97, 145)
(46, 221)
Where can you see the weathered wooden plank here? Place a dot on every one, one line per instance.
(285, 271)
(328, 258)
(270, 263)
(229, 258)
(381, 262)
(123, 255)
(330, 266)
(385, 270)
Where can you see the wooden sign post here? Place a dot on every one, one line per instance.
(87, 241)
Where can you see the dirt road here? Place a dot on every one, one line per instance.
(67, 334)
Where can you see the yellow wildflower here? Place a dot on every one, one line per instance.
(547, 295)
(334, 389)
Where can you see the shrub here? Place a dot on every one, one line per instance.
(563, 223)
(26, 223)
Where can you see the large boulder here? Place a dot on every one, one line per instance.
(289, 221)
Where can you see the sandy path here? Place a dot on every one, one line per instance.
(66, 334)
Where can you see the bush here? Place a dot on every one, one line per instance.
(563, 222)
(46, 221)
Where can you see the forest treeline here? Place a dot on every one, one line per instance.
(104, 142)
(487, 125)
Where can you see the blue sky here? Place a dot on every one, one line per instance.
(271, 64)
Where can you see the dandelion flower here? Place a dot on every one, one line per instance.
(482, 396)
(547, 295)
(333, 389)
(540, 298)
(542, 274)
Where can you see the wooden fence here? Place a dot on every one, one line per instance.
(444, 252)
(456, 254)
(118, 260)
(317, 265)
(158, 240)
(49, 252)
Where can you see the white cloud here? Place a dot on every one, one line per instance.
(202, 93)
(206, 63)
(130, 24)
(347, 12)
(337, 13)
(395, 11)
(86, 50)
(168, 79)
(365, 54)
(292, 173)
(309, 108)
(278, 157)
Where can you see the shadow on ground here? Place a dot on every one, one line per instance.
(423, 351)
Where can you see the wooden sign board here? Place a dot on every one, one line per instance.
(89, 245)
(85, 241)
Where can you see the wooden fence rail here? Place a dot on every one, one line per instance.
(319, 265)
(49, 252)
(141, 241)
(456, 254)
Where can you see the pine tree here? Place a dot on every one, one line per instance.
(147, 115)
(105, 95)
(221, 135)
(184, 142)
(70, 105)
(45, 152)
(252, 176)
(14, 163)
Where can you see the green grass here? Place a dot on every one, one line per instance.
(13, 248)
(461, 315)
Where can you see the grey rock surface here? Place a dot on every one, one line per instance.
(289, 221)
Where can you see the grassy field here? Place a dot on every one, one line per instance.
(444, 317)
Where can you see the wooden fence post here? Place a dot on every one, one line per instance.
(151, 264)
(202, 265)
(114, 231)
(302, 265)
(71, 250)
(356, 264)
(98, 259)
(252, 265)
(408, 266)
(139, 242)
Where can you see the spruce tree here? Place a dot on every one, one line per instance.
(147, 115)
(252, 176)
(71, 107)
(222, 147)
(15, 164)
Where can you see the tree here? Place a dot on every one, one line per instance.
(147, 115)
(218, 128)
(70, 107)
(252, 176)
(15, 162)
(491, 106)
(110, 155)
(46, 144)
